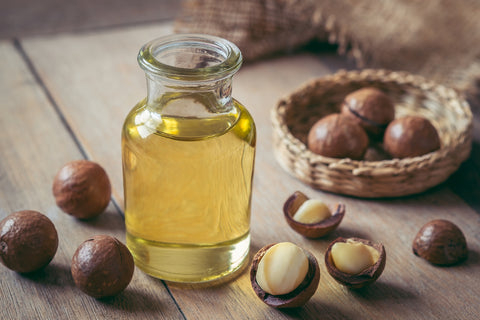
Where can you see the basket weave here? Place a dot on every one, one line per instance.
(413, 95)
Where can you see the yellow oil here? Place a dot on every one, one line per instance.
(187, 185)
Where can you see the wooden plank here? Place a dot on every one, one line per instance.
(34, 144)
(95, 79)
(21, 18)
(90, 98)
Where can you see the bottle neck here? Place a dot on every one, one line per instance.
(190, 74)
(177, 98)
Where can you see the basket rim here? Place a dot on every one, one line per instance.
(463, 136)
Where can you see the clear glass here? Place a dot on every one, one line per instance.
(188, 154)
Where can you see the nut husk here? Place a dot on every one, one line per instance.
(337, 136)
(410, 136)
(102, 266)
(370, 108)
(440, 242)
(315, 230)
(364, 278)
(297, 297)
(28, 241)
(82, 189)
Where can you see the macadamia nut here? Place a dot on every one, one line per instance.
(337, 136)
(312, 211)
(370, 108)
(282, 269)
(353, 257)
(410, 136)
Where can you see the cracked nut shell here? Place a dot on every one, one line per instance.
(28, 241)
(314, 230)
(297, 297)
(337, 136)
(440, 242)
(364, 278)
(82, 189)
(410, 136)
(102, 266)
(370, 108)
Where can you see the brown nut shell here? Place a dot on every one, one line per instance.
(410, 136)
(337, 136)
(370, 108)
(364, 278)
(314, 230)
(102, 266)
(82, 189)
(440, 242)
(375, 152)
(297, 297)
(28, 241)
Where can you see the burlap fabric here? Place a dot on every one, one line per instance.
(439, 39)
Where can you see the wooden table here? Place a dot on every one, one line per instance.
(64, 97)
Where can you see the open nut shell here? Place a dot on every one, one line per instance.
(297, 297)
(314, 230)
(367, 276)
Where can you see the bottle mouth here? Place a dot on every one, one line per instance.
(190, 57)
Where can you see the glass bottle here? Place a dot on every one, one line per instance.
(188, 154)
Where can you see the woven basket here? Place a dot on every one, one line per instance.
(413, 95)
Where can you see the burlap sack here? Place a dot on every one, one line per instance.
(439, 39)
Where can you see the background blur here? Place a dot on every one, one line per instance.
(21, 18)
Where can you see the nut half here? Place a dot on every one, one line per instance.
(364, 277)
(311, 230)
(440, 242)
(296, 298)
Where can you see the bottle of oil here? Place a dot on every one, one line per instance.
(188, 154)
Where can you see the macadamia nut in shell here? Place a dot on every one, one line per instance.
(355, 262)
(337, 136)
(287, 278)
(102, 266)
(82, 189)
(28, 241)
(370, 108)
(410, 136)
(282, 269)
(311, 218)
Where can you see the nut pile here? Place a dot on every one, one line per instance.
(283, 275)
(366, 129)
(101, 266)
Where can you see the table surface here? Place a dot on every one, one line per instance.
(65, 96)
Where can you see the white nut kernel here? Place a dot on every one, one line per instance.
(353, 257)
(282, 269)
(312, 211)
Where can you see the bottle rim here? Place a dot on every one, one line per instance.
(228, 55)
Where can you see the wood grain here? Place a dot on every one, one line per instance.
(94, 80)
(34, 144)
(22, 18)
